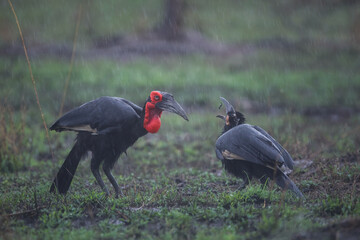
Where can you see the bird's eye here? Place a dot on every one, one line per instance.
(156, 97)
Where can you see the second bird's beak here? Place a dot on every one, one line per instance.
(229, 107)
(169, 104)
(221, 117)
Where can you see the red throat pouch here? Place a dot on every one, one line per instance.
(152, 121)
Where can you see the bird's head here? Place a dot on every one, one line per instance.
(157, 103)
(232, 117)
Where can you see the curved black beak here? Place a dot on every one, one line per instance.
(229, 107)
(169, 104)
(221, 117)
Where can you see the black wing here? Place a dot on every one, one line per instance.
(99, 116)
(246, 143)
(289, 162)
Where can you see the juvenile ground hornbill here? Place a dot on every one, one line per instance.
(248, 151)
(107, 126)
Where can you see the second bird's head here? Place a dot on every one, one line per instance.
(232, 117)
(156, 103)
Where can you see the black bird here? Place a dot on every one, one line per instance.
(107, 126)
(248, 151)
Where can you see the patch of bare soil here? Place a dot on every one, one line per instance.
(334, 177)
(152, 44)
(123, 47)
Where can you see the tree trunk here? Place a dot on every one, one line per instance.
(172, 25)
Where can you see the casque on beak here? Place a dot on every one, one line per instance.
(169, 104)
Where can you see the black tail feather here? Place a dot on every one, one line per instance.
(67, 171)
(285, 183)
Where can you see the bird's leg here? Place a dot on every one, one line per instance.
(246, 180)
(95, 163)
(107, 170)
(244, 184)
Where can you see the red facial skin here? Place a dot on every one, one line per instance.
(152, 121)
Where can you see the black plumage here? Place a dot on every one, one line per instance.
(248, 151)
(106, 127)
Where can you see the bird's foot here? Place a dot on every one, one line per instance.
(119, 193)
(107, 193)
(242, 186)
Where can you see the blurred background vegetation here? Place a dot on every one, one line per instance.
(298, 55)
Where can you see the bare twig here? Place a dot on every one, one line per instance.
(30, 211)
(32, 77)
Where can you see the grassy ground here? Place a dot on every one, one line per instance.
(174, 188)
(306, 96)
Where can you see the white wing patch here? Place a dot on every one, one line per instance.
(231, 156)
(82, 128)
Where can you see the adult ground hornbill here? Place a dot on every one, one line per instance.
(248, 151)
(107, 126)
